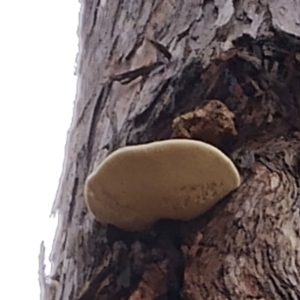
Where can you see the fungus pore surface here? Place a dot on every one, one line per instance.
(174, 179)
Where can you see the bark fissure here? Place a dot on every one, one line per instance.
(73, 200)
(95, 15)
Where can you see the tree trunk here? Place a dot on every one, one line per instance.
(185, 55)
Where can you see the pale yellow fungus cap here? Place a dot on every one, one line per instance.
(174, 179)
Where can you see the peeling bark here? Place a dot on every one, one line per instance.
(244, 54)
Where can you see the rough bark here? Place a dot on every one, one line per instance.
(242, 53)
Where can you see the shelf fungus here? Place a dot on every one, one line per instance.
(174, 179)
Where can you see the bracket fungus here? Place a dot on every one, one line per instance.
(177, 179)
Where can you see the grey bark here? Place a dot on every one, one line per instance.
(246, 55)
